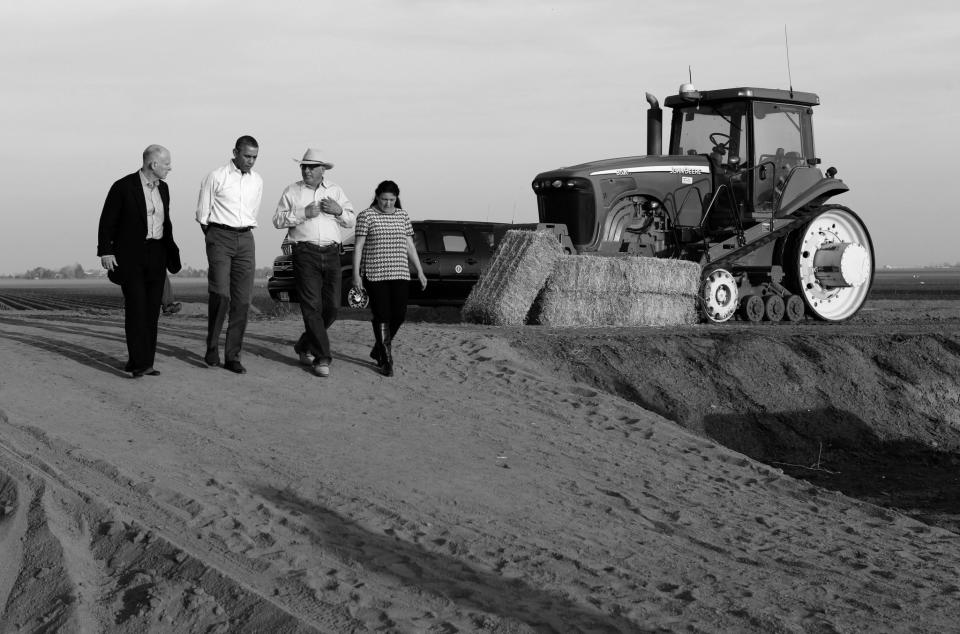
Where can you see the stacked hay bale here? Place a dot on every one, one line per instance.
(507, 289)
(589, 290)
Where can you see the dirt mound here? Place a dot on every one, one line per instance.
(873, 414)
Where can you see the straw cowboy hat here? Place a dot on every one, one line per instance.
(313, 156)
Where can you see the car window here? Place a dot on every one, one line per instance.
(488, 238)
(420, 240)
(454, 241)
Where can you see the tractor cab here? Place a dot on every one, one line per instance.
(755, 140)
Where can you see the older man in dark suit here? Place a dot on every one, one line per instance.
(135, 245)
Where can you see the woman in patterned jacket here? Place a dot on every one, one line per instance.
(382, 258)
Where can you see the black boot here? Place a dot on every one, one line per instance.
(387, 368)
(376, 352)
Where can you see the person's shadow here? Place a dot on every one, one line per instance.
(89, 357)
(432, 572)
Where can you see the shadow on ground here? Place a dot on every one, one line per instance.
(837, 450)
(416, 567)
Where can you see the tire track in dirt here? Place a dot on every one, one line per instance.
(151, 567)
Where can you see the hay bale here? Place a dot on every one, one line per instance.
(592, 309)
(618, 291)
(507, 289)
(624, 275)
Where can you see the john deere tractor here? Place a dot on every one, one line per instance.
(740, 191)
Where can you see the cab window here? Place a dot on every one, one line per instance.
(778, 128)
(718, 131)
(783, 140)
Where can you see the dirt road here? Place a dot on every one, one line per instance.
(506, 480)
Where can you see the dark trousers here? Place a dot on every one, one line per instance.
(316, 272)
(142, 287)
(388, 302)
(167, 297)
(231, 258)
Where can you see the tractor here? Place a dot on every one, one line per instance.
(740, 192)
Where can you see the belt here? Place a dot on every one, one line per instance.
(229, 228)
(333, 246)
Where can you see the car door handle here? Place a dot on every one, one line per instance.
(430, 260)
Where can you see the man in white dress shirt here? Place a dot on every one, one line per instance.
(313, 211)
(227, 212)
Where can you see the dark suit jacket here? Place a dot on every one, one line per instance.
(123, 226)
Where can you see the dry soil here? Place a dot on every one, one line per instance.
(735, 478)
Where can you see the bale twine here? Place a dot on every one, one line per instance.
(507, 288)
(586, 290)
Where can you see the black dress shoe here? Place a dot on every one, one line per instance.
(212, 359)
(235, 366)
(146, 372)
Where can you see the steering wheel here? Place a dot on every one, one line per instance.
(720, 147)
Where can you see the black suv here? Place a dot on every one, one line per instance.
(452, 253)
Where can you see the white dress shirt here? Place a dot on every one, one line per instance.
(230, 197)
(151, 195)
(322, 230)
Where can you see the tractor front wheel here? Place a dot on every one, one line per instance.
(719, 296)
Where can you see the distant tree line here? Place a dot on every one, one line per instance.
(77, 272)
(40, 273)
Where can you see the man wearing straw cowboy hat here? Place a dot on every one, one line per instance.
(313, 210)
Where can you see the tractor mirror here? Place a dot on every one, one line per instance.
(763, 172)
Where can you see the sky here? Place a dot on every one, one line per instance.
(462, 103)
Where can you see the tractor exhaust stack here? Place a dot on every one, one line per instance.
(654, 127)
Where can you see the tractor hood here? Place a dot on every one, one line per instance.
(632, 165)
(592, 198)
